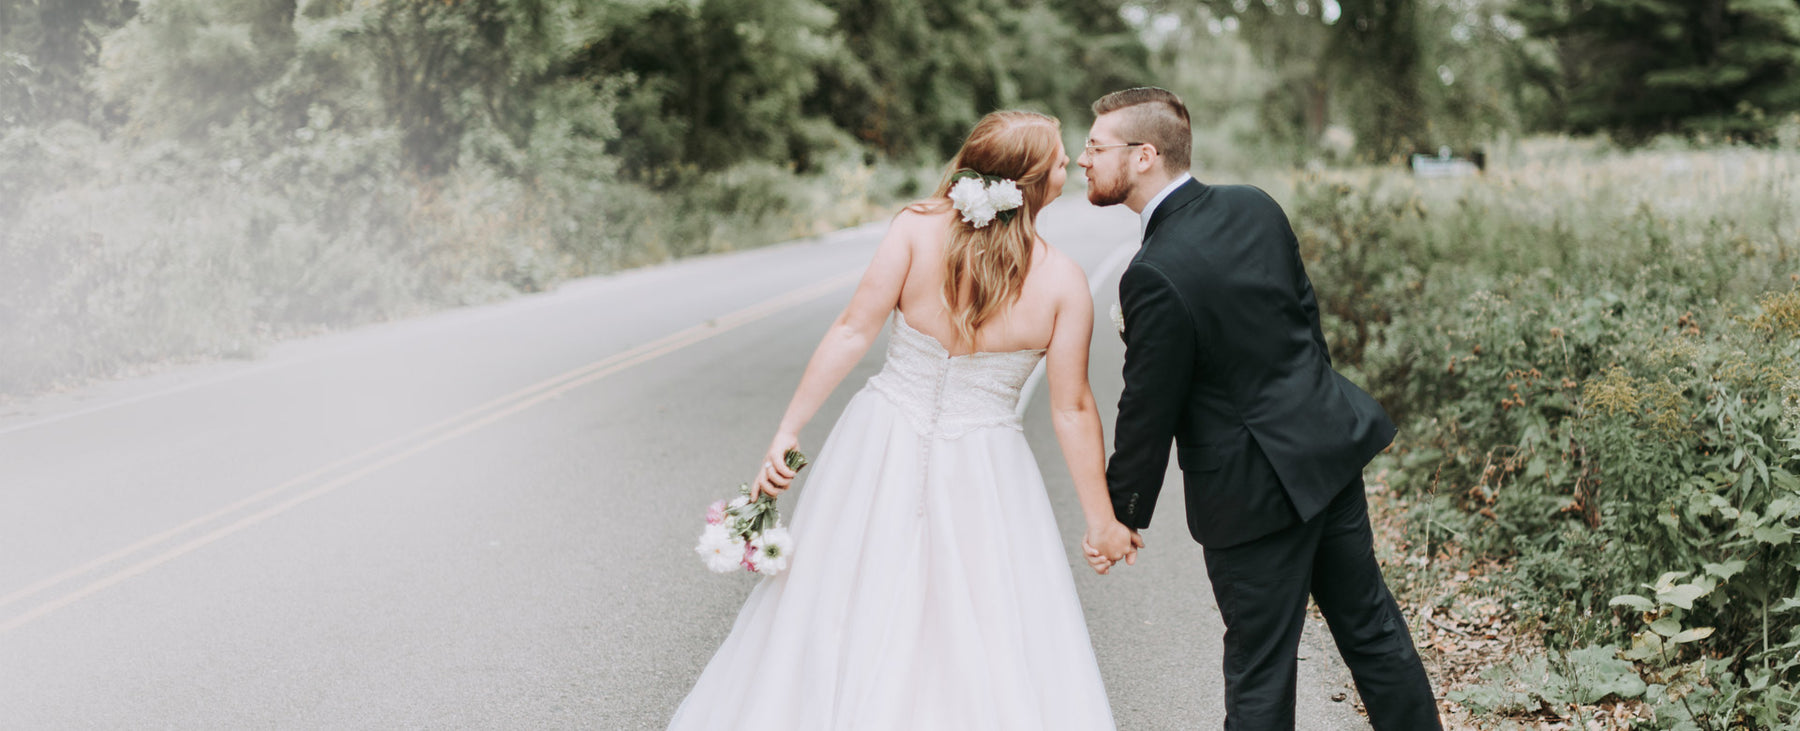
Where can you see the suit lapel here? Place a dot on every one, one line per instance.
(1181, 197)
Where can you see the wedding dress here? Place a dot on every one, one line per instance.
(929, 588)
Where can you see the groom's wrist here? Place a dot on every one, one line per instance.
(1125, 508)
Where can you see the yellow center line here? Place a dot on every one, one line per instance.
(469, 420)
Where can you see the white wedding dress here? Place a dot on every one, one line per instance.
(929, 588)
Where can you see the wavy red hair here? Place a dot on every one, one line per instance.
(994, 260)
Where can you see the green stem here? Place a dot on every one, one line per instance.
(1765, 606)
(1667, 662)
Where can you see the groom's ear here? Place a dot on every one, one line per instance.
(1145, 157)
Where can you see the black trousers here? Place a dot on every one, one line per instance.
(1262, 586)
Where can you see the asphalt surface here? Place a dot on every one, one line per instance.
(485, 518)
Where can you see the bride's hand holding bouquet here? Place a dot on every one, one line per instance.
(747, 532)
(778, 468)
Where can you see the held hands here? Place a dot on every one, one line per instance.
(774, 477)
(1108, 543)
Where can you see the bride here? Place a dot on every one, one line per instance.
(929, 587)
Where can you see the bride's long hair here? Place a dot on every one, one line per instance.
(994, 259)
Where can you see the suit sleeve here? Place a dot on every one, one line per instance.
(1160, 352)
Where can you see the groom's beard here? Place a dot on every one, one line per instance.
(1103, 194)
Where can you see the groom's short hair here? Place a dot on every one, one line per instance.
(1155, 116)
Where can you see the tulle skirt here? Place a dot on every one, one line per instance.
(929, 589)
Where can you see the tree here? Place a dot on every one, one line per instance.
(1374, 53)
(717, 82)
(1638, 68)
(182, 68)
(1360, 57)
(47, 48)
(1473, 70)
(427, 54)
(918, 75)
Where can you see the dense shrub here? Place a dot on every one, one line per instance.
(1596, 362)
(119, 256)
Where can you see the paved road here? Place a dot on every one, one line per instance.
(484, 518)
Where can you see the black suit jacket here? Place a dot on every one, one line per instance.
(1224, 355)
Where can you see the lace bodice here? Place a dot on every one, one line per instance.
(947, 396)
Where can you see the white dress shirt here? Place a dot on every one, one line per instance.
(1154, 202)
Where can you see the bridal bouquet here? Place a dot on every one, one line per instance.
(747, 533)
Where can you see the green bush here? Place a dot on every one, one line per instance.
(118, 256)
(190, 179)
(1596, 362)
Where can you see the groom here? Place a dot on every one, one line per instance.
(1225, 357)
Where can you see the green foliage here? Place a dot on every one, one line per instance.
(1637, 68)
(1243, 113)
(192, 177)
(717, 83)
(1397, 77)
(918, 75)
(181, 68)
(1585, 676)
(1378, 57)
(1473, 73)
(1594, 362)
(46, 50)
(128, 256)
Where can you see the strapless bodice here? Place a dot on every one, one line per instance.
(947, 396)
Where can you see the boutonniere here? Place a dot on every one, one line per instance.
(1118, 317)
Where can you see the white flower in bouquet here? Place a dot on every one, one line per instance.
(1005, 195)
(721, 549)
(773, 547)
(1118, 317)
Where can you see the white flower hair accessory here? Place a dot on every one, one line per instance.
(982, 198)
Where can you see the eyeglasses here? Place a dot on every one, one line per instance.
(1094, 149)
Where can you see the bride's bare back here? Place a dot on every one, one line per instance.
(1055, 281)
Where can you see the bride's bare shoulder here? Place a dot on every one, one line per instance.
(931, 214)
(1060, 271)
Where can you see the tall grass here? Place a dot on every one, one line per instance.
(115, 256)
(1595, 356)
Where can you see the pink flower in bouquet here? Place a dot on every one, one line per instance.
(715, 514)
(749, 555)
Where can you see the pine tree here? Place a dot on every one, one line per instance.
(1638, 68)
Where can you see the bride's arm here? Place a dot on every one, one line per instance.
(843, 346)
(1077, 418)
